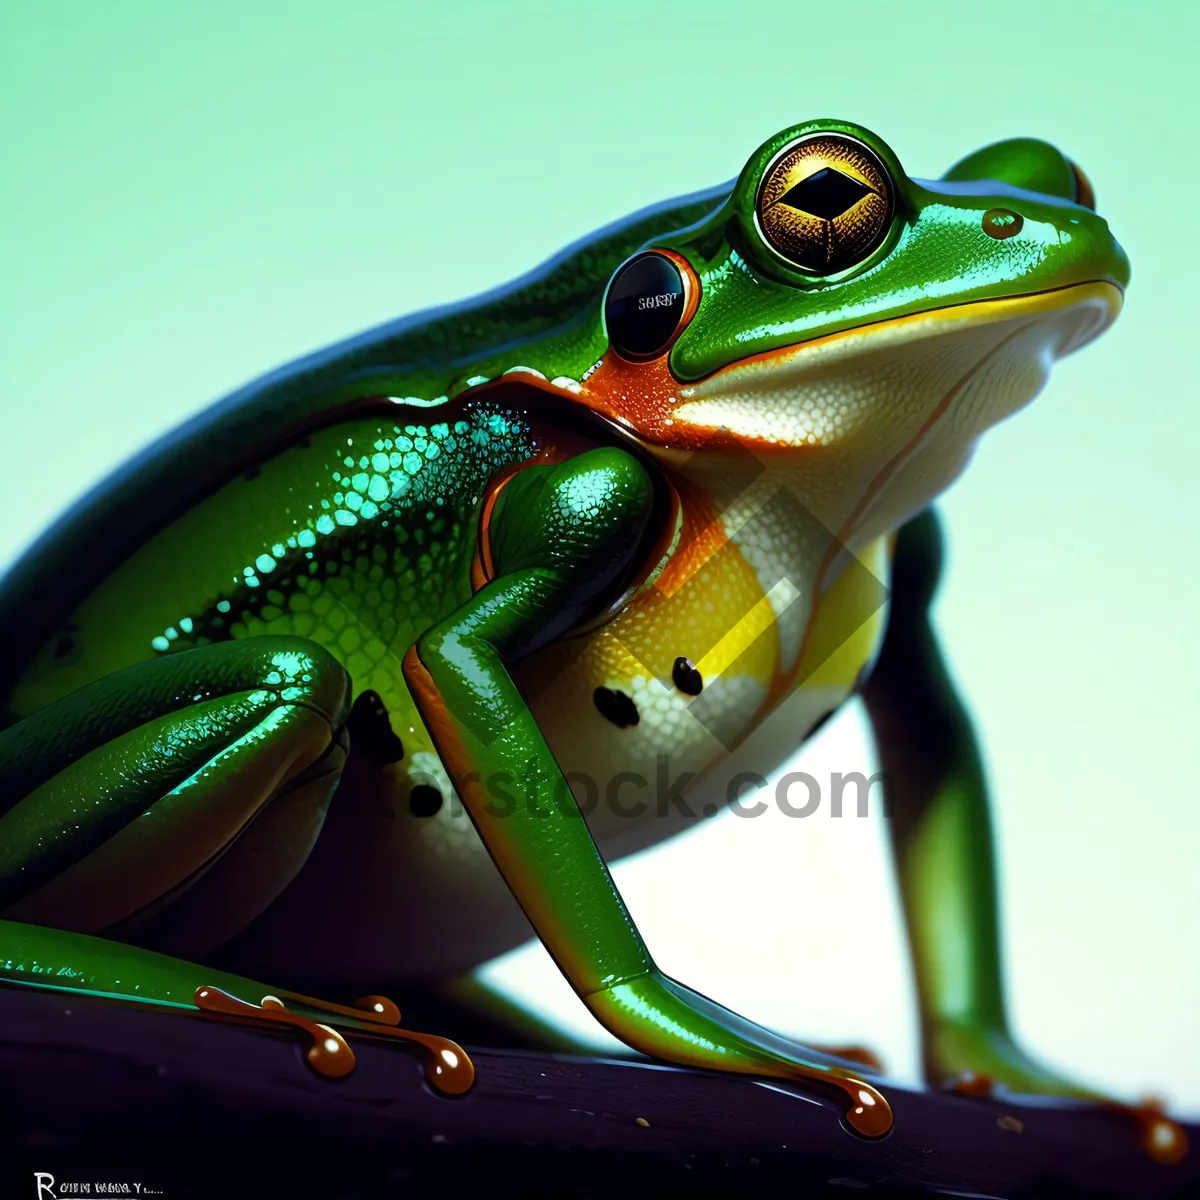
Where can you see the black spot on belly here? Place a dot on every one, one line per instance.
(616, 707)
(424, 800)
(371, 732)
(687, 678)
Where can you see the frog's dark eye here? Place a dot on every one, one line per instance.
(651, 298)
(825, 203)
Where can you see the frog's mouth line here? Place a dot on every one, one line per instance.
(804, 394)
(856, 415)
(890, 385)
(772, 401)
(759, 400)
(873, 394)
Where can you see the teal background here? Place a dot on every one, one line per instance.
(194, 193)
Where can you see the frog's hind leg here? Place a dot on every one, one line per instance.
(941, 835)
(942, 842)
(168, 804)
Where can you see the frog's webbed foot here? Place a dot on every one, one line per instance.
(661, 1017)
(975, 1060)
(132, 975)
(448, 1068)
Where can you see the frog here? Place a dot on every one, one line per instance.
(368, 671)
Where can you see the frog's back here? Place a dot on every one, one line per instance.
(424, 358)
(357, 537)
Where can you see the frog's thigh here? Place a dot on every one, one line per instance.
(170, 803)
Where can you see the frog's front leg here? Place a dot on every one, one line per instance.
(561, 537)
(168, 804)
(942, 841)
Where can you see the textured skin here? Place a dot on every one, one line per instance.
(550, 318)
(356, 539)
(732, 503)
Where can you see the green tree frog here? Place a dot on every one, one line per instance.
(314, 689)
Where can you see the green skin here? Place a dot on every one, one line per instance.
(103, 727)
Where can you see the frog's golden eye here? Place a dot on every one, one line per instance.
(825, 203)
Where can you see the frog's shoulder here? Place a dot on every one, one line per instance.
(415, 356)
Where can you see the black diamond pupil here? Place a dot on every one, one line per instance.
(825, 193)
(644, 306)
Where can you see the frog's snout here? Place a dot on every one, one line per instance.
(1085, 196)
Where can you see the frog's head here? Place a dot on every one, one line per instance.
(865, 326)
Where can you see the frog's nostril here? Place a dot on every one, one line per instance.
(1002, 223)
(1084, 193)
